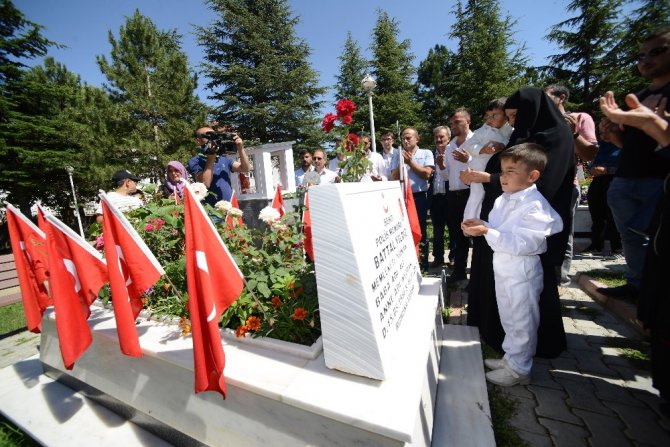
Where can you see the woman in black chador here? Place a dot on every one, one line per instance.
(535, 119)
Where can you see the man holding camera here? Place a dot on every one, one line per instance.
(212, 167)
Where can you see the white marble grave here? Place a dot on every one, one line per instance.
(367, 275)
(273, 398)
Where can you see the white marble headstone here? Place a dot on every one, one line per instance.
(367, 274)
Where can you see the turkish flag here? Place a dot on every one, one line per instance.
(77, 273)
(132, 270)
(278, 201)
(41, 223)
(30, 257)
(232, 220)
(307, 229)
(412, 215)
(214, 282)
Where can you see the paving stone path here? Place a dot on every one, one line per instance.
(592, 395)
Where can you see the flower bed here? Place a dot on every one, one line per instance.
(280, 300)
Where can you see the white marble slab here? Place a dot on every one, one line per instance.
(367, 274)
(462, 415)
(273, 398)
(55, 415)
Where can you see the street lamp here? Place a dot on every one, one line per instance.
(369, 84)
(70, 171)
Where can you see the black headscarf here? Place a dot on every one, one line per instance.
(538, 120)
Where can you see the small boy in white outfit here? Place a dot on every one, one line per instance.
(519, 223)
(485, 141)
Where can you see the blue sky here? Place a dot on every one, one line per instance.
(83, 26)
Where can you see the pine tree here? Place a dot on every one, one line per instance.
(587, 64)
(435, 86)
(394, 97)
(19, 39)
(50, 127)
(260, 73)
(353, 68)
(153, 87)
(488, 62)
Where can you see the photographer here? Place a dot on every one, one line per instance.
(212, 167)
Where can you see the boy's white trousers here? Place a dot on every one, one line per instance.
(519, 281)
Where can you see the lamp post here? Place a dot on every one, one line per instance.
(70, 171)
(369, 84)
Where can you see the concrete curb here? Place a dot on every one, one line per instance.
(623, 310)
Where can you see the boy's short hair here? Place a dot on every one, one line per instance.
(558, 90)
(532, 155)
(304, 151)
(498, 103)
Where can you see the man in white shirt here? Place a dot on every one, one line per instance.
(387, 153)
(375, 173)
(438, 201)
(122, 197)
(326, 175)
(457, 196)
(420, 164)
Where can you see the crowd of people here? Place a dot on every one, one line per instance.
(509, 191)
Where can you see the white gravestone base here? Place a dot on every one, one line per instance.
(272, 398)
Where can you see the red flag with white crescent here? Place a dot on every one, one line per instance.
(132, 268)
(214, 283)
(31, 261)
(77, 273)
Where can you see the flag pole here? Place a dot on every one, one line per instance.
(258, 303)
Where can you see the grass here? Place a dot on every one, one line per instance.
(610, 278)
(635, 351)
(12, 319)
(11, 436)
(503, 408)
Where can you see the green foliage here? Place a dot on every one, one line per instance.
(610, 278)
(52, 124)
(279, 280)
(435, 86)
(12, 318)
(152, 88)
(260, 73)
(588, 62)
(353, 68)
(12, 436)
(394, 97)
(488, 63)
(19, 39)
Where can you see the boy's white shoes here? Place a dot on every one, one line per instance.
(495, 363)
(507, 377)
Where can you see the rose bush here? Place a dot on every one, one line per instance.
(356, 163)
(281, 283)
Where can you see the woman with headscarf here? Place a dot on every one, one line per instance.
(175, 181)
(535, 119)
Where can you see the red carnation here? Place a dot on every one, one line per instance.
(346, 119)
(328, 122)
(345, 108)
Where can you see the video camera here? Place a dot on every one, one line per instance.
(220, 143)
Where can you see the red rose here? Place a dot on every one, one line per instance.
(345, 108)
(346, 119)
(352, 141)
(328, 122)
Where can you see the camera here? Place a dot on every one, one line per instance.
(220, 143)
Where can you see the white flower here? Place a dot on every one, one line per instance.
(235, 212)
(269, 215)
(279, 226)
(223, 206)
(199, 190)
